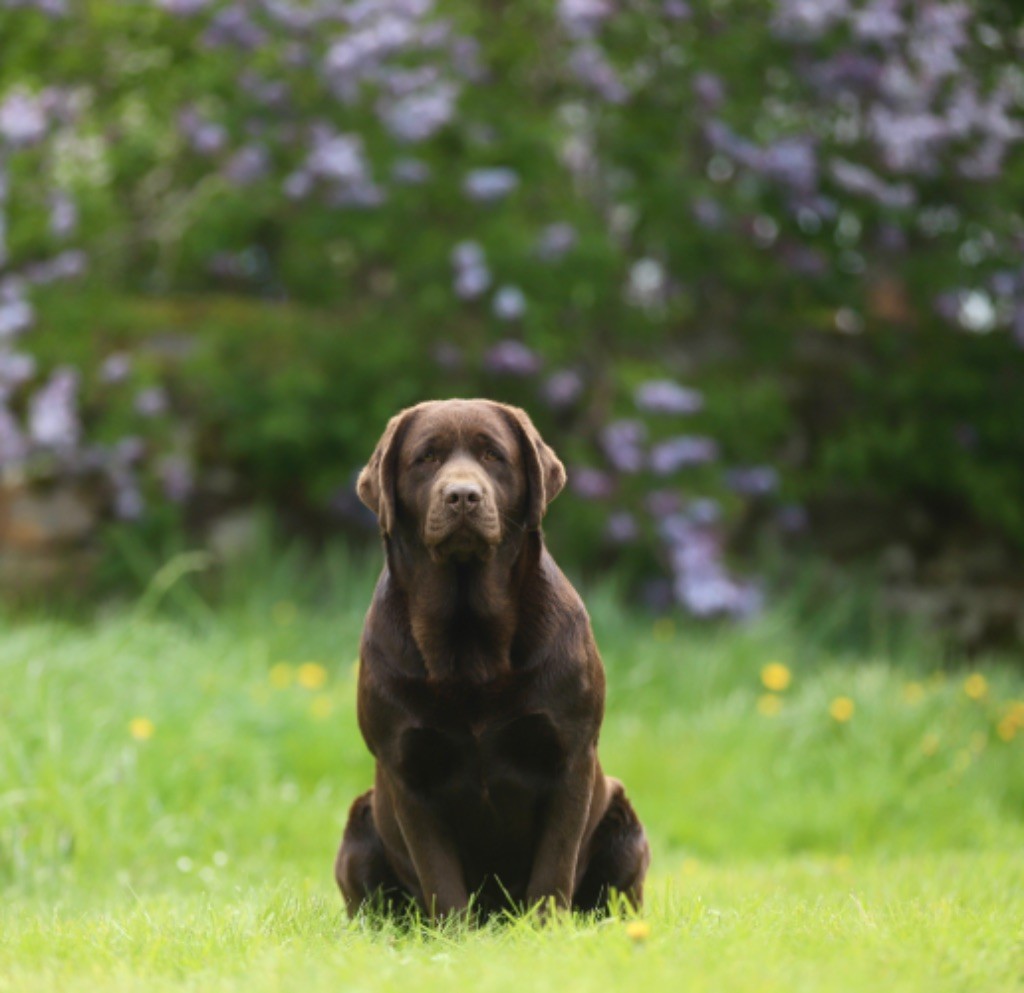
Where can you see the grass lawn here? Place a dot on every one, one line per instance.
(174, 778)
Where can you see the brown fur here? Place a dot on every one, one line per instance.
(481, 690)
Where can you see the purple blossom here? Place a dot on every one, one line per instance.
(591, 67)
(205, 137)
(509, 303)
(472, 277)
(622, 442)
(582, 18)
(512, 358)
(16, 369)
(53, 414)
(663, 396)
(115, 368)
(151, 402)
(862, 181)
(621, 528)
(662, 503)
(176, 478)
(487, 185)
(22, 119)
(232, 26)
(753, 480)
(248, 165)
(63, 215)
(591, 484)
(16, 316)
(419, 116)
(668, 457)
(556, 241)
(709, 89)
(183, 8)
(562, 389)
(410, 172)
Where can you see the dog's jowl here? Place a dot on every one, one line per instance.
(481, 690)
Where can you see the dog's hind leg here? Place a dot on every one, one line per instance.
(617, 857)
(362, 869)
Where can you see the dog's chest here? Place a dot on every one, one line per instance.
(486, 759)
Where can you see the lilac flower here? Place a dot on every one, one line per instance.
(183, 8)
(232, 26)
(590, 66)
(622, 442)
(753, 480)
(562, 389)
(52, 411)
(880, 21)
(205, 137)
(337, 157)
(677, 10)
(509, 303)
(22, 119)
(861, 180)
(128, 502)
(668, 457)
(663, 396)
(410, 172)
(709, 89)
(63, 215)
(704, 511)
(128, 451)
(248, 165)
(16, 369)
(807, 20)
(297, 185)
(582, 18)
(151, 402)
(591, 484)
(472, 277)
(176, 478)
(511, 358)
(792, 163)
(662, 503)
(556, 241)
(621, 528)
(419, 116)
(487, 185)
(16, 315)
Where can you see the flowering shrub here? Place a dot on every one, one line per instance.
(582, 202)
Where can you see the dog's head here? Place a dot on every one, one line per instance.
(460, 475)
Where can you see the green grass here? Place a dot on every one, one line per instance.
(791, 851)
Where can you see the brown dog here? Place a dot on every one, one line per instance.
(481, 691)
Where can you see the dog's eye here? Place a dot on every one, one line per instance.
(428, 456)
(492, 455)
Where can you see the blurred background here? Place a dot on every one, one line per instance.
(754, 267)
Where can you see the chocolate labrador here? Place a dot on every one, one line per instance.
(481, 690)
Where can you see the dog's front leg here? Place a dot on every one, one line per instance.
(554, 866)
(434, 857)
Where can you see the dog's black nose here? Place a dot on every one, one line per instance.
(463, 497)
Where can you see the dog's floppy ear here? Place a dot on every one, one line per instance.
(545, 473)
(376, 483)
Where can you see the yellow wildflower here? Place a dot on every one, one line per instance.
(841, 709)
(141, 728)
(976, 686)
(638, 930)
(913, 692)
(312, 676)
(776, 676)
(321, 707)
